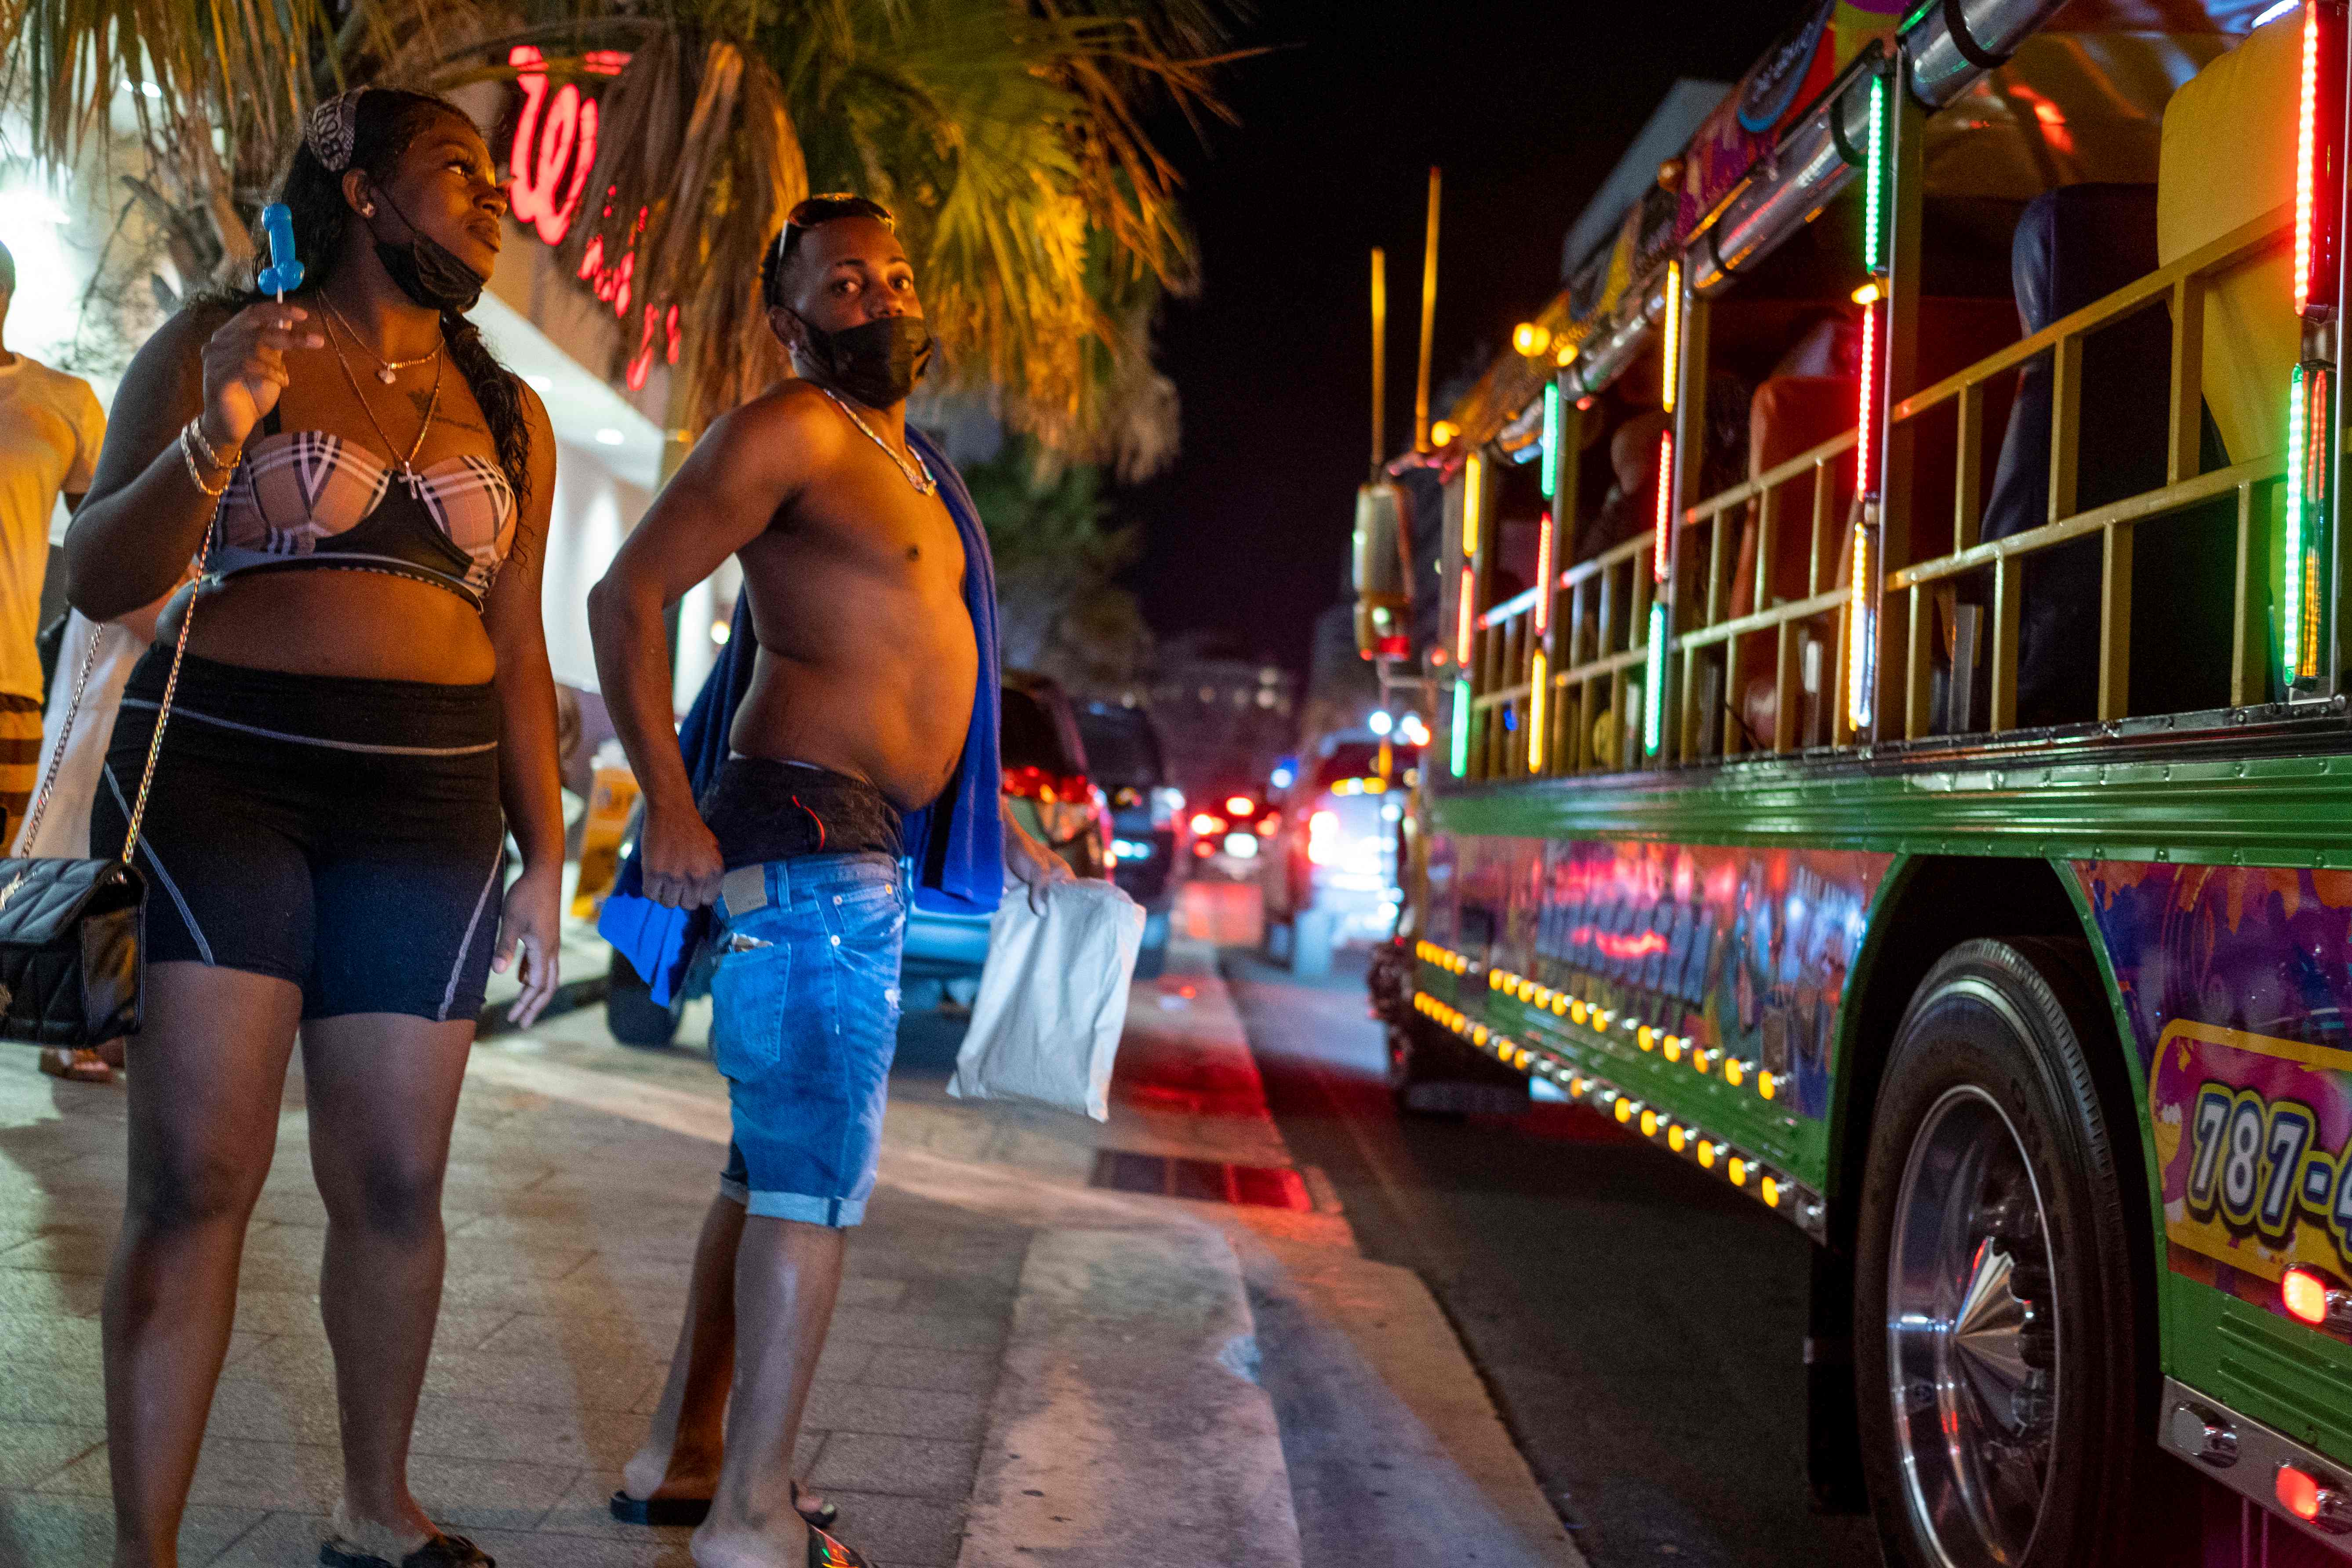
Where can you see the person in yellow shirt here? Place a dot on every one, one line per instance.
(50, 431)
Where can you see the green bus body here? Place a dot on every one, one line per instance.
(1708, 807)
(1871, 855)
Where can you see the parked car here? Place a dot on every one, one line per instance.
(1052, 794)
(1123, 752)
(1229, 827)
(1048, 785)
(1329, 872)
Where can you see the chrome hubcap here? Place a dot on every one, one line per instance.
(1973, 1336)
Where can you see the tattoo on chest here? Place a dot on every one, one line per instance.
(421, 399)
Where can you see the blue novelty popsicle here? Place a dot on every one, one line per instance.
(284, 273)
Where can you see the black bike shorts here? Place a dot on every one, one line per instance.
(343, 834)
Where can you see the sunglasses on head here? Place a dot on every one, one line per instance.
(825, 208)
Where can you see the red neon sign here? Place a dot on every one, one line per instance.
(554, 147)
(553, 151)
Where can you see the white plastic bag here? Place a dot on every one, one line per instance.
(1053, 998)
(64, 826)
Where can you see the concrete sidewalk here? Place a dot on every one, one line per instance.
(1027, 1368)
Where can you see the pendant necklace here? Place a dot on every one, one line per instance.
(407, 463)
(385, 368)
(918, 475)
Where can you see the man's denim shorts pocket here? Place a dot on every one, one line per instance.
(748, 989)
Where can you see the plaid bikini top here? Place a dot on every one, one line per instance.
(310, 498)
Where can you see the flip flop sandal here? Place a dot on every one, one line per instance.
(443, 1550)
(660, 1511)
(824, 1552)
(74, 1065)
(685, 1512)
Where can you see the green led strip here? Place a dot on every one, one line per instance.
(1551, 440)
(1653, 694)
(1874, 198)
(1461, 727)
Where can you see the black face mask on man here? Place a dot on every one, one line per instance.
(427, 271)
(876, 363)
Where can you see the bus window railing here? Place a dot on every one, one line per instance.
(1597, 642)
(2183, 286)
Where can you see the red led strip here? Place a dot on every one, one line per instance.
(1462, 636)
(2306, 128)
(1543, 574)
(1867, 406)
(2318, 161)
(1664, 531)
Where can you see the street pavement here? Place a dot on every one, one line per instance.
(1044, 1355)
(1641, 1328)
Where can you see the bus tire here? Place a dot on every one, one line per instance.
(2009, 1423)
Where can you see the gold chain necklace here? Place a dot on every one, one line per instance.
(385, 368)
(407, 463)
(918, 475)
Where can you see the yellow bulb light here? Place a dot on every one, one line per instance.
(1767, 1085)
(1530, 338)
(1624, 1110)
(1707, 1156)
(1648, 1038)
(1733, 1072)
(1649, 1124)
(1576, 1010)
(1676, 1139)
(1771, 1192)
(1737, 1171)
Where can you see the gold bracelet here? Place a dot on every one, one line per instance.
(213, 459)
(188, 456)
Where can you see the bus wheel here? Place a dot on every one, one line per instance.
(2004, 1347)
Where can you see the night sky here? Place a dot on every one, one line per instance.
(1526, 106)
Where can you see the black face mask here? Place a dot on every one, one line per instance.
(877, 363)
(429, 272)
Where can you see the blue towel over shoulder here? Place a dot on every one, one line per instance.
(956, 842)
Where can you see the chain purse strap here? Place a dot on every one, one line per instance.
(163, 712)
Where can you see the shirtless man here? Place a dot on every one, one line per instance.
(858, 712)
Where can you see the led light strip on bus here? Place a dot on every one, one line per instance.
(2304, 628)
(1861, 589)
(1661, 539)
(1791, 1199)
(1708, 1061)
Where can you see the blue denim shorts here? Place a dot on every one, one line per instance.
(804, 993)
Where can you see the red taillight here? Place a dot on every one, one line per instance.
(1238, 804)
(1266, 825)
(2305, 1294)
(2298, 1492)
(1207, 826)
(1047, 789)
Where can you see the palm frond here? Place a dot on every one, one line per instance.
(1009, 135)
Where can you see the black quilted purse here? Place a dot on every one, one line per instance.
(71, 959)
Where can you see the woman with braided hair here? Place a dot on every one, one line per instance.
(362, 708)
